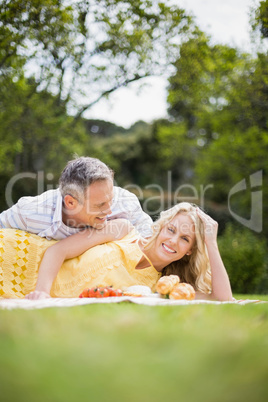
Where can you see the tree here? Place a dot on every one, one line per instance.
(30, 30)
(86, 49)
(260, 19)
(36, 135)
(198, 91)
(30, 116)
(241, 146)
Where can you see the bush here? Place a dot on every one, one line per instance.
(245, 259)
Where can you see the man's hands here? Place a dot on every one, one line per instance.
(37, 294)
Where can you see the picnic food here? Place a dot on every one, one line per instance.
(101, 291)
(182, 291)
(171, 287)
(166, 284)
(138, 291)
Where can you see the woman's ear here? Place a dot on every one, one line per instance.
(189, 252)
(70, 202)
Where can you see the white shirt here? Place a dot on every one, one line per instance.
(42, 215)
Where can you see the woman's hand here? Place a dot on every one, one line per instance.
(37, 294)
(210, 226)
(221, 288)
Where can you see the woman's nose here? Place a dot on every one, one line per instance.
(173, 240)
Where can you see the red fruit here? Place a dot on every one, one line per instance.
(119, 292)
(84, 293)
(112, 292)
(116, 292)
(102, 291)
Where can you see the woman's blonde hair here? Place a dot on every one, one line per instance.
(193, 268)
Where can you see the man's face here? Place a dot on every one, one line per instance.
(95, 207)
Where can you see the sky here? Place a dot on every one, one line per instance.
(226, 21)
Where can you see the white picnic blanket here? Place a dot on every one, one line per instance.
(148, 301)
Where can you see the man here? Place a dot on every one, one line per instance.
(86, 198)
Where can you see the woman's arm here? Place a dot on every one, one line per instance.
(71, 247)
(221, 288)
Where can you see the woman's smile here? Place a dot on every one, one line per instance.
(168, 249)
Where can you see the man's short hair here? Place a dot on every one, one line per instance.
(79, 173)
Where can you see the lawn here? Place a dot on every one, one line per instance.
(134, 353)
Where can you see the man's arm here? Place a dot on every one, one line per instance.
(33, 214)
(71, 247)
(13, 218)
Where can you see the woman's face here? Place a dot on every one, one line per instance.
(175, 239)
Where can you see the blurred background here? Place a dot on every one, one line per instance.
(172, 95)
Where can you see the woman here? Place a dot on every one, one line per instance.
(184, 242)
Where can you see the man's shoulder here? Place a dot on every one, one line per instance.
(125, 200)
(49, 197)
(33, 214)
(120, 192)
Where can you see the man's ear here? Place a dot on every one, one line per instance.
(70, 202)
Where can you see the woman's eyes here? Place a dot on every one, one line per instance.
(172, 230)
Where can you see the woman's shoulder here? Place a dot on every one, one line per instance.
(132, 237)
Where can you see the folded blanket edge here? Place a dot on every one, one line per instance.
(149, 301)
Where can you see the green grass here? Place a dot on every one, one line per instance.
(126, 352)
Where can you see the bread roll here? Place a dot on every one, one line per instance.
(166, 284)
(182, 291)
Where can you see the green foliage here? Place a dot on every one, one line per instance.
(172, 142)
(240, 153)
(125, 152)
(261, 18)
(175, 151)
(33, 29)
(198, 88)
(34, 121)
(102, 129)
(240, 142)
(244, 255)
(249, 98)
(36, 134)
